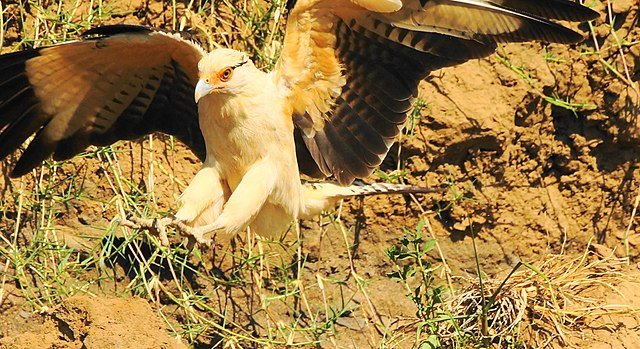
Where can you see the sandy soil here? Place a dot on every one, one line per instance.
(94, 323)
(537, 180)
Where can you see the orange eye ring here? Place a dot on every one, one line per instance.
(225, 74)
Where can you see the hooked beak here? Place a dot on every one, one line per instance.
(202, 89)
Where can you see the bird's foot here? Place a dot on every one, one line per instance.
(158, 227)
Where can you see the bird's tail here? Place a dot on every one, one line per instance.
(322, 196)
(359, 188)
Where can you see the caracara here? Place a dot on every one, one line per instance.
(333, 105)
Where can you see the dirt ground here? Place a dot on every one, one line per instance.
(526, 175)
(88, 322)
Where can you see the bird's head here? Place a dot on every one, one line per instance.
(223, 71)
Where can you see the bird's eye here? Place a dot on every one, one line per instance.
(225, 75)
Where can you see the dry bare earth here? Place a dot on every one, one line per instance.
(538, 145)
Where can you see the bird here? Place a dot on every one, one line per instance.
(331, 107)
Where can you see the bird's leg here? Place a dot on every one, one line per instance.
(205, 193)
(192, 234)
(158, 227)
(243, 205)
(203, 197)
(245, 201)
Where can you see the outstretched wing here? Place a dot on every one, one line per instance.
(118, 82)
(350, 68)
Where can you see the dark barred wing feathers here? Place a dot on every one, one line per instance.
(119, 82)
(385, 56)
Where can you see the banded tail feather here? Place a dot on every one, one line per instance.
(360, 188)
(363, 189)
(322, 196)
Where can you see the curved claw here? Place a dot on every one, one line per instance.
(158, 227)
(161, 229)
(196, 234)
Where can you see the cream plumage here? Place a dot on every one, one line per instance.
(335, 102)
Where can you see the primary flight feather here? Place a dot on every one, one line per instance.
(333, 105)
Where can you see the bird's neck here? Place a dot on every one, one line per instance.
(250, 123)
